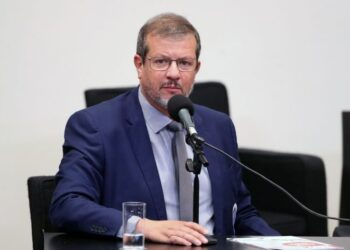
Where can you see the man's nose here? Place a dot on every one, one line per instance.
(173, 71)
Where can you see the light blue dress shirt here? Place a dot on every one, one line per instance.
(161, 138)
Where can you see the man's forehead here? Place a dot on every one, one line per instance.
(164, 44)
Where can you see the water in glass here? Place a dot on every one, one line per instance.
(133, 241)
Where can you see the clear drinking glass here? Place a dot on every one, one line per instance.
(132, 210)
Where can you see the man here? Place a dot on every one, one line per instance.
(120, 150)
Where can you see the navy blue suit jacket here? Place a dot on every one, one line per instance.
(108, 159)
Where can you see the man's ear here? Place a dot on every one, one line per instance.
(138, 62)
(198, 66)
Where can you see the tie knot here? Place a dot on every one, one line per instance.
(174, 126)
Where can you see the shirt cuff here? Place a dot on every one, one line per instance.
(131, 227)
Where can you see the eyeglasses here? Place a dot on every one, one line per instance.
(163, 63)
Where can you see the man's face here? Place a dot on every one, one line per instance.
(158, 86)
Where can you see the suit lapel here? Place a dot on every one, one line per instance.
(214, 172)
(141, 145)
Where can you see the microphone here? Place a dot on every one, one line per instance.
(180, 108)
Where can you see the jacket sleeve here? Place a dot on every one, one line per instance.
(248, 220)
(75, 204)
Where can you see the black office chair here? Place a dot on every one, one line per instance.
(344, 228)
(302, 175)
(95, 96)
(40, 189)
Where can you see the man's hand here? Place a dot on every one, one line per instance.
(171, 231)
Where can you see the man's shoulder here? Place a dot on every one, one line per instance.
(205, 112)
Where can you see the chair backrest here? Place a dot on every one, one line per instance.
(97, 95)
(345, 186)
(40, 189)
(301, 175)
(210, 94)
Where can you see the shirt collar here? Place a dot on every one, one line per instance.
(155, 120)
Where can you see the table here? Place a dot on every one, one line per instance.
(62, 241)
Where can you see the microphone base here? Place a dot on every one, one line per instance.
(211, 240)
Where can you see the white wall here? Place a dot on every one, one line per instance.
(286, 65)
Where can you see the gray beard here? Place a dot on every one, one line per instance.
(162, 102)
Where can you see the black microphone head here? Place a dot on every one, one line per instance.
(178, 102)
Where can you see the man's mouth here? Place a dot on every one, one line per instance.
(172, 86)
